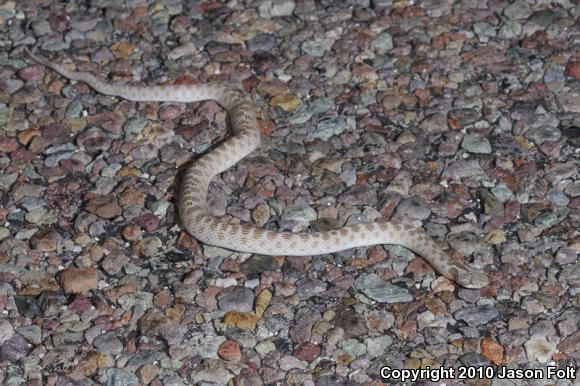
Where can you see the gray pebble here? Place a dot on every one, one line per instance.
(517, 10)
(359, 195)
(32, 333)
(477, 315)
(135, 125)
(502, 192)
(236, 299)
(300, 213)
(141, 299)
(27, 306)
(144, 357)
(353, 347)
(414, 208)
(262, 42)
(14, 349)
(376, 346)
(382, 43)
(461, 169)
(118, 377)
(543, 134)
(546, 220)
(557, 197)
(328, 128)
(509, 30)
(309, 287)
(108, 344)
(381, 290)
(434, 124)
(74, 109)
(476, 145)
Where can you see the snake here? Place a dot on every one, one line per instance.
(244, 139)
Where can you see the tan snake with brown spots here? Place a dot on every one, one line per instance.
(246, 237)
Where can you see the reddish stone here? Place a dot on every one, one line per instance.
(55, 133)
(571, 344)
(424, 96)
(34, 72)
(50, 324)
(409, 329)
(72, 165)
(451, 207)
(169, 112)
(186, 80)
(187, 242)
(80, 304)
(419, 268)
(163, 299)
(230, 351)
(79, 280)
(574, 69)
(205, 7)
(230, 265)
(266, 127)
(8, 145)
(106, 207)
(440, 41)
(307, 351)
(492, 351)
(94, 141)
(24, 137)
(111, 121)
(441, 284)
(45, 240)
(157, 382)
(132, 197)
(148, 222)
(534, 42)
(226, 57)
(208, 298)
(376, 254)
(421, 66)
(514, 354)
(454, 123)
(131, 233)
(249, 83)
(484, 55)
(147, 373)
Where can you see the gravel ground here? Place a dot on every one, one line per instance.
(462, 117)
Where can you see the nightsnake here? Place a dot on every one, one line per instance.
(245, 139)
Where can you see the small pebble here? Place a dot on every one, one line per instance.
(79, 280)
